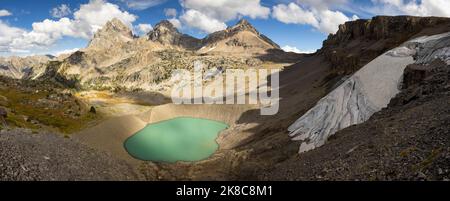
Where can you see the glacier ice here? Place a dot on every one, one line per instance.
(366, 92)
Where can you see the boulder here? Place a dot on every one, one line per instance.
(3, 113)
(414, 74)
(93, 110)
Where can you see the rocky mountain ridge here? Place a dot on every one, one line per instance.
(116, 59)
(166, 34)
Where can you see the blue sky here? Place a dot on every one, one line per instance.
(299, 25)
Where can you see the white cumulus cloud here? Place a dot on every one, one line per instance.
(143, 28)
(421, 8)
(329, 21)
(4, 13)
(175, 22)
(288, 48)
(294, 14)
(226, 10)
(322, 4)
(96, 13)
(217, 12)
(170, 12)
(142, 4)
(7, 36)
(69, 51)
(61, 11)
(320, 17)
(85, 22)
(198, 20)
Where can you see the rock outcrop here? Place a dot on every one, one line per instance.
(358, 42)
(21, 67)
(113, 33)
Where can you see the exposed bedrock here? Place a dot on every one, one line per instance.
(21, 67)
(358, 42)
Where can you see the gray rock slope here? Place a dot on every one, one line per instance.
(25, 156)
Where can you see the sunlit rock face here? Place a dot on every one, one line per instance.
(22, 67)
(113, 33)
(366, 92)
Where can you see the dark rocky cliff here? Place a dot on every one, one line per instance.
(358, 42)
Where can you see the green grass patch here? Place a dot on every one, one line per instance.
(24, 103)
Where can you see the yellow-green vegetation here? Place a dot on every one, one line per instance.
(273, 65)
(407, 151)
(429, 160)
(27, 110)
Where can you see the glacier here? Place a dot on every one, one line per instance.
(367, 91)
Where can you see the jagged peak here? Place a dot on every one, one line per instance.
(115, 25)
(243, 22)
(165, 24)
(163, 29)
(113, 32)
(242, 25)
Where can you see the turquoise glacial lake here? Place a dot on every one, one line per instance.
(180, 139)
